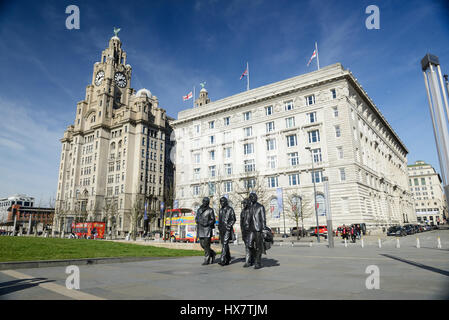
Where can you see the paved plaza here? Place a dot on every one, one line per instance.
(290, 272)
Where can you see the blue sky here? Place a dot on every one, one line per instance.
(174, 45)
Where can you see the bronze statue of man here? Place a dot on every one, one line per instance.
(226, 220)
(205, 221)
(244, 226)
(257, 223)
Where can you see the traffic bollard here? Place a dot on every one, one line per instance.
(380, 242)
(361, 242)
(418, 245)
(438, 243)
(398, 245)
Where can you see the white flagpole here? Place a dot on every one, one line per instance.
(317, 58)
(193, 101)
(247, 82)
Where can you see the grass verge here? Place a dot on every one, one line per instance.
(31, 248)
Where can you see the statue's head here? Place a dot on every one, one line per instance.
(206, 202)
(223, 201)
(253, 197)
(245, 203)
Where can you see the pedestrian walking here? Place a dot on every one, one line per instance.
(353, 234)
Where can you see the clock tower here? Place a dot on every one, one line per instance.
(114, 157)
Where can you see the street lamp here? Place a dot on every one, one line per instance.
(314, 196)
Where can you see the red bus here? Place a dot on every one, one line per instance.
(84, 229)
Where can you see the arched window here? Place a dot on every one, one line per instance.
(320, 205)
(113, 146)
(120, 144)
(274, 209)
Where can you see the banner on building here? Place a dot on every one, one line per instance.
(280, 201)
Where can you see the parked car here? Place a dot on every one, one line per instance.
(397, 231)
(322, 231)
(298, 231)
(410, 229)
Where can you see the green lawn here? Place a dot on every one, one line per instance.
(31, 248)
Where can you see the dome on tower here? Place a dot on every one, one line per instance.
(143, 91)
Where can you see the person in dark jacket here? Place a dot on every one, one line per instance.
(353, 233)
(257, 223)
(244, 225)
(205, 220)
(226, 220)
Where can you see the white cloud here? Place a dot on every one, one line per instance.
(30, 146)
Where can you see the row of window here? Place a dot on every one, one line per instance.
(271, 182)
(269, 110)
(313, 136)
(416, 181)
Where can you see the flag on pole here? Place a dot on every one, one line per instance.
(188, 96)
(311, 58)
(245, 73)
(315, 55)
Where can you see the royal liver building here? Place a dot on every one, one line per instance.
(265, 140)
(114, 159)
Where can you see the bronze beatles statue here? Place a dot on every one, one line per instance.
(226, 220)
(255, 233)
(254, 226)
(244, 226)
(205, 220)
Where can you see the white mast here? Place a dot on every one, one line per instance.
(247, 82)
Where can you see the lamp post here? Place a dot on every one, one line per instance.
(314, 196)
(330, 229)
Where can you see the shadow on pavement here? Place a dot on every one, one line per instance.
(22, 284)
(237, 260)
(265, 262)
(270, 263)
(419, 265)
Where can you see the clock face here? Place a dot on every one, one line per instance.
(99, 77)
(120, 79)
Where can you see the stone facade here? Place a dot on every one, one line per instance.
(115, 157)
(428, 194)
(256, 140)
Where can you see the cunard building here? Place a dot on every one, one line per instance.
(265, 140)
(114, 163)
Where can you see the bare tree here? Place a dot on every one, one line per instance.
(110, 213)
(152, 210)
(252, 182)
(136, 213)
(298, 209)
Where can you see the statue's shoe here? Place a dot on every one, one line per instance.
(257, 266)
(246, 265)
